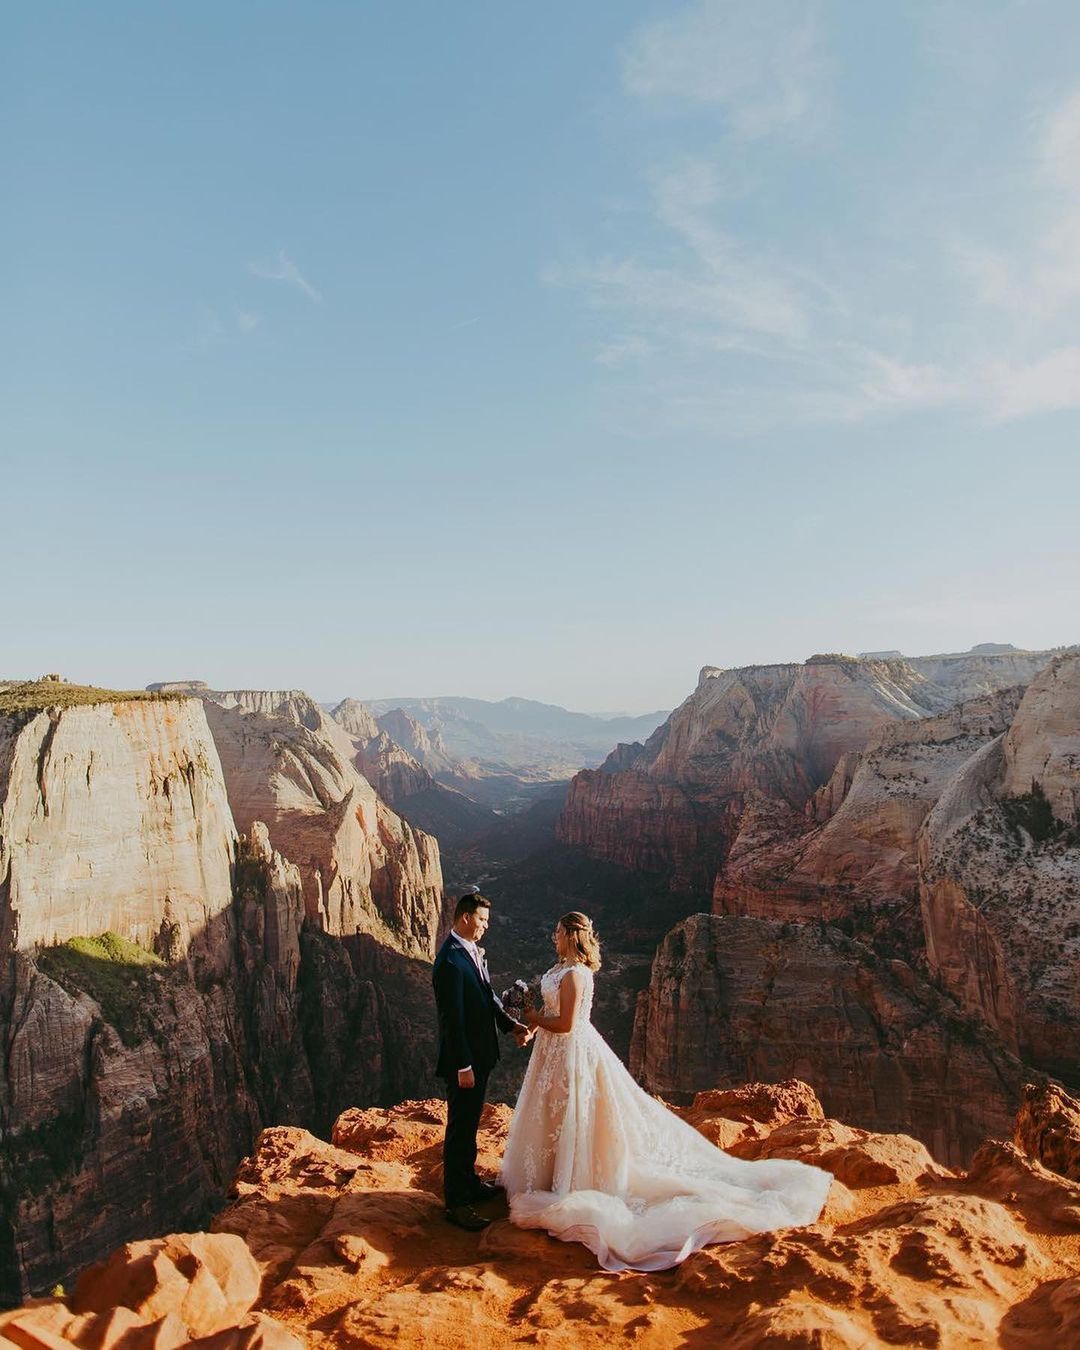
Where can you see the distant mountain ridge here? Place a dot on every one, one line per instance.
(523, 716)
(502, 754)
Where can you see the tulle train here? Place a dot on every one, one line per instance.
(592, 1158)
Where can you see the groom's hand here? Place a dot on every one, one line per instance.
(523, 1035)
(466, 1078)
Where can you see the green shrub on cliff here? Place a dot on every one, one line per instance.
(118, 975)
(1032, 812)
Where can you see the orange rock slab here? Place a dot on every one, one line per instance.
(344, 1244)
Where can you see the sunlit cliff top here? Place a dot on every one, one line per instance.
(23, 696)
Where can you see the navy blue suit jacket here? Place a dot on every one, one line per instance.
(470, 1016)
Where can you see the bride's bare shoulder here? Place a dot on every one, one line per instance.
(579, 973)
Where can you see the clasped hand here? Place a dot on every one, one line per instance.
(524, 1034)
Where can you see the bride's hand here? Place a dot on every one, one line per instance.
(532, 1018)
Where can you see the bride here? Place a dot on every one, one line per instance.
(592, 1158)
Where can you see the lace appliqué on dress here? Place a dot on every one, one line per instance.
(593, 1158)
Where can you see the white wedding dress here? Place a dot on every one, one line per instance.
(592, 1158)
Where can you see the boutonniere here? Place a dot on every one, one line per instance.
(481, 953)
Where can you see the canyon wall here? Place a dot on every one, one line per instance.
(394, 772)
(114, 816)
(1000, 878)
(918, 807)
(732, 1000)
(773, 734)
(364, 869)
(168, 987)
(399, 757)
(123, 1096)
(854, 843)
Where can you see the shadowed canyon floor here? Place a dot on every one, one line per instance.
(344, 1244)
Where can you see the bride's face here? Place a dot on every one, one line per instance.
(561, 941)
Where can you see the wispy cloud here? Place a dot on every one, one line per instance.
(1041, 275)
(726, 331)
(284, 269)
(761, 62)
(1050, 383)
(624, 350)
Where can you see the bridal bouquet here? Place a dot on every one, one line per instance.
(517, 999)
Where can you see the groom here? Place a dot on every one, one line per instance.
(470, 1017)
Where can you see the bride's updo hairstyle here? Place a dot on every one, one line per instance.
(584, 944)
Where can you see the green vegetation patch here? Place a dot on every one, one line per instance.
(1033, 812)
(122, 978)
(31, 696)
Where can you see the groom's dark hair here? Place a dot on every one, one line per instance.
(469, 904)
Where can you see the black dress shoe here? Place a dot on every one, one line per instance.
(487, 1190)
(464, 1216)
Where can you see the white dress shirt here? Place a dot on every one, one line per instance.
(478, 961)
(476, 954)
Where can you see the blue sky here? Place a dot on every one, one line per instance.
(553, 350)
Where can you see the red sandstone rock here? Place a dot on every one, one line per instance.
(771, 1104)
(732, 998)
(354, 1254)
(882, 795)
(364, 869)
(1048, 1128)
(208, 1280)
(146, 1079)
(855, 846)
(676, 804)
(998, 879)
(732, 1118)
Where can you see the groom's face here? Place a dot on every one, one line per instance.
(473, 926)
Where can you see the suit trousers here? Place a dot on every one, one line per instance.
(464, 1106)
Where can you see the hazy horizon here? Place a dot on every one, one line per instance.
(549, 353)
(332, 699)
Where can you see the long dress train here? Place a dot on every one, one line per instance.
(592, 1158)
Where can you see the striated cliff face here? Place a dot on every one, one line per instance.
(761, 734)
(364, 869)
(736, 999)
(950, 841)
(854, 844)
(971, 674)
(783, 728)
(773, 732)
(106, 1137)
(163, 993)
(114, 816)
(628, 818)
(1043, 743)
(124, 1073)
(425, 743)
(394, 773)
(1000, 878)
(401, 775)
